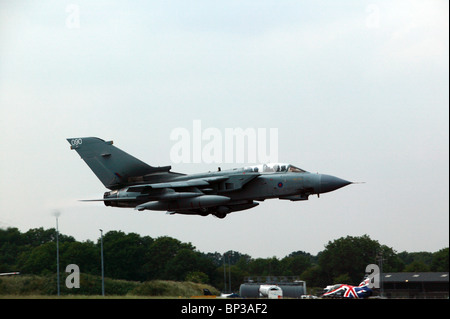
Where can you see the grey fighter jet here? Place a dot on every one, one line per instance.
(135, 184)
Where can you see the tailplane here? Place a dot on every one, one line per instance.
(113, 167)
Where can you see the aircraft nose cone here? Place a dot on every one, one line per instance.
(330, 183)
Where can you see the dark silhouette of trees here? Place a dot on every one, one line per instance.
(142, 258)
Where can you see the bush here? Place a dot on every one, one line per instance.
(171, 288)
(197, 276)
(27, 285)
(22, 285)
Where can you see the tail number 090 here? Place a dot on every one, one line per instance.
(76, 141)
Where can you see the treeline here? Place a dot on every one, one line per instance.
(142, 258)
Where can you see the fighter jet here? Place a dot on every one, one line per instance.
(135, 184)
(348, 291)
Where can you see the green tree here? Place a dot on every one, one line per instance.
(40, 261)
(125, 255)
(351, 255)
(159, 254)
(184, 262)
(315, 277)
(440, 260)
(11, 244)
(232, 257)
(85, 255)
(417, 266)
(419, 258)
(294, 265)
(197, 276)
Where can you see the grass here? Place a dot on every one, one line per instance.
(65, 297)
(44, 287)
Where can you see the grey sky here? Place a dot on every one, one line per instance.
(356, 89)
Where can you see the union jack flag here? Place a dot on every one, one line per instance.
(348, 291)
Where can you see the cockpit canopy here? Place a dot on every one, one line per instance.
(274, 168)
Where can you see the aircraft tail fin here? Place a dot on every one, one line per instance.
(113, 167)
(365, 282)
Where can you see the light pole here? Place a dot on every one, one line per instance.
(103, 273)
(380, 260)
(229, 273)
(224, 276)
(57, 253)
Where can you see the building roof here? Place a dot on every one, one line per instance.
(415, 277)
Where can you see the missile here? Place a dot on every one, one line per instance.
(203, 201)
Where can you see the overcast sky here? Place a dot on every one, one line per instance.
(356, 89)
